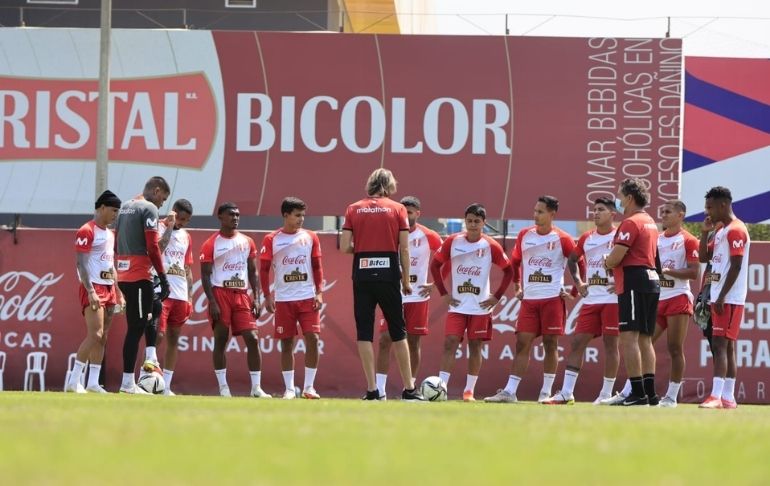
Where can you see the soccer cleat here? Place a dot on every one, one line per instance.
(468, 396)
(150, 365)
(614, 400)
(132, 389)
(383, 398)
(168, 393)
(711, 402)
(544, 395)
(95, 389)
(76, 388)
(635, 401)
(289, 395)
(600, 399)
(224, 391)
(653, 400)
(667, 402)
(560, 399)
(258, 392)
(412, 395)
(371, 395)
(311, 394)
(728, 405)
(501, 396)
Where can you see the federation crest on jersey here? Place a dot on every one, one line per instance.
(551, 245)
(677, 245)
(481, 252)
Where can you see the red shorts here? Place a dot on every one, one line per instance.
(681, 305)
(477, 326)
(235, 308)
(174, 314)
(288, 314)
(105, 293)
(598, 319)
(727, 324)
(542, 316)
(416, 317)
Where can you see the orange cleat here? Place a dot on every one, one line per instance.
(711, 402)
(727, 404)
(468, 396)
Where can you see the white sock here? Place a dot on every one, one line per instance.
(93, 375)
(128, 380)
(381, 379)
(77, 372)
(548, 379)
(470, 382)
(513, 384)
(221, 377)
(288, 379)
(168, 375)
(607, 387)
(728, 392)
(626, 388)
(717, 387)
(673, 390)
(310, 378)
(256, 378)
(570, 378)
(150, 353)
(444, 376)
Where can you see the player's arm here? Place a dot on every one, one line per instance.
(615, 256)
(575, 271)
(189, 277)
(206, 269)
(318, 280)
(501, 260)
(690, 272)
(516, 259)
(168, 229)
(403, 253)
(732, 275)
(346, 241)
(251, 266)
(434, 243)
(82, 266)
(264, 281)
(441, 256)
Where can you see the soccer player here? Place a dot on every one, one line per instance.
(729, 285)
(95, 247)
(541, 251)
(379, 228)
(678, 251)
(138, 253)
(294, 254)
(423, 242)
(599, 311)
(634, 258)
(470, 255)
(176, 245)
(225, 257)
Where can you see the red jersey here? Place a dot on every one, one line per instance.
(99, 244)
(639, 233)
(376, 223)
(731, 240)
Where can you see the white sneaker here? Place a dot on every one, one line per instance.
(132, 389)
(311, 394)
(289, 395)
(168, 393)
(150, 365)
(601, 399)
(224, 391)
(667, 402)
(544, 396)
(77, 388)
(95, 389)
(258, 392)
(501, 396)
(615, 400)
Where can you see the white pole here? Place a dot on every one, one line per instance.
(102, 155)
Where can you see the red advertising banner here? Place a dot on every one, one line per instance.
(39, 312)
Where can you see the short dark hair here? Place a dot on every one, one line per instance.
(476, 209)
(411, 201)
(157, 182)
(636, 188)
(610, 203)
(226, 207)
(720, 192)
(289, 204)
(550, 202)
(183, 205)
(678, 204)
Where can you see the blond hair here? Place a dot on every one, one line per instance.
(381, 183)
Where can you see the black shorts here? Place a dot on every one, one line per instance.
(139, 297)
(638, 311)
(366, 296)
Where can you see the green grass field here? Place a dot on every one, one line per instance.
(55, 438)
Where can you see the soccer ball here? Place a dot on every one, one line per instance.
(152, 383)
(433, 389)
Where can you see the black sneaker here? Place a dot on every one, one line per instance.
(371, 395)
(412, 395)
(635, 400)
(653, 400)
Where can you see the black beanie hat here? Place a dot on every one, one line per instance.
(108, 198)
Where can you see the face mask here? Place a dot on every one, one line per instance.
(619, 205)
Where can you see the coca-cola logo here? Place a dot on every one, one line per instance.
(294, 260)
(174, 254)
(668, 264)
(413, 261)
(168, 120)
(542, 262)
(472, 270)
(233, 266)
(596, 262)
(106, 257)
(22, 296)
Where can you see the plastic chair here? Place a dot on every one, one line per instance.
(2, 368)
(36, 364)
(70, 366)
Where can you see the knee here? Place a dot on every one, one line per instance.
(675, 350)
(451, 343)
(550, 344)
(385, 342)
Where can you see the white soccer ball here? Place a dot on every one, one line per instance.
(152, 383)
(433, 389)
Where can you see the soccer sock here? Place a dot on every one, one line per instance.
(626, 388)
(637, 386)
(470, 382)
(717, 387)
(728, 392)
(168, 375)
(648, 383)
(310, 379)
(444, 376)
(151, 353)
(381, 379)
(288, 379)
(607, 387)
(673, 390)
(570, 378)
(221, 377)
(513, 384)
(77, 372)
(93, 375)
(256, 378)
(548, 379)
(128, 380)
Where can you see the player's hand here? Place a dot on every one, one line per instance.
(565, 295)
(93, 300)
(582, 289)
(318, 301)
(256, 310)
(518, 293)
(719, 305)
(214, 311)
(489, 303)
(270, 304)
(611, 288)
(170, 219)
(450, 301)
(707, 226)
(426, 289)
(406, 287)
(165, 289)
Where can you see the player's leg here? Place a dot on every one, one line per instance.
(312, 356)
(553, 315)
(221, 336)
(413, 341)
(383, 358)
(287, 366)
(389, 300)
(574, 363)
(285, 319)
(254, 362)
(172, 352)
(474, 367)
(151, 362)
(629, 305)
(454, 330)
(728, 391)
(94, 331)
(649, 317)
(611, 364)
(138, 297)
(364, 303)
(520, 362)
(677, 333)
(719, 355)
(416, 317)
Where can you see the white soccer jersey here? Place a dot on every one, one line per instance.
(99, 243)
(290, 255)
(675, 252)
(176, 256)
(229, 257)
(543, 259)
(422, 241)
(732, 240)
(593, 246)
